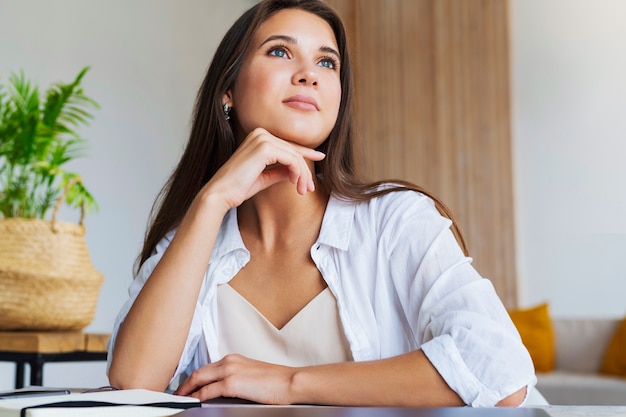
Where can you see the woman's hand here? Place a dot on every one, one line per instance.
(263, 160)
(239, 377)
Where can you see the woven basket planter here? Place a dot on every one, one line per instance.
(47, 280)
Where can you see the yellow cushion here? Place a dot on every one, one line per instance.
(535, 327)
(614, 362)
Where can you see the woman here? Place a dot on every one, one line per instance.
(271, 273)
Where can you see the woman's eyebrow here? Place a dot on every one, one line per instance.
(286, 38)
(329, 50)
(292, 40)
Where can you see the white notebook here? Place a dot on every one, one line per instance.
(130, 403)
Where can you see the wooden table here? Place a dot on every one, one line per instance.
(38, 348)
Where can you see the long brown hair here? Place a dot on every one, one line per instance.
(212, 140)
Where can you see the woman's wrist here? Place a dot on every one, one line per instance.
(297, 390)
(211, 201)
(316, 385)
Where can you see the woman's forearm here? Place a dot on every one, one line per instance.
(152, 337)
(406, 380)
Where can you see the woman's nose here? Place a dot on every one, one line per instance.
(306, 76)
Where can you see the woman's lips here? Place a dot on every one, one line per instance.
(302, 102)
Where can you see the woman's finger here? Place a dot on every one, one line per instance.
(199, 378)
(263, 160)
(211, 391)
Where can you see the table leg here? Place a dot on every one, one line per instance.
(19, 374)
(36, 371)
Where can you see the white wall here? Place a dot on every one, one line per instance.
(569, 130)
(148, 58)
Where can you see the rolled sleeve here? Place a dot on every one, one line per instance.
(470, 339)
(478, 357)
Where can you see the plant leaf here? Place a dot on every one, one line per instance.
(37, 139)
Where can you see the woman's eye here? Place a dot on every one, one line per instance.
(328, 63)
(279, 52)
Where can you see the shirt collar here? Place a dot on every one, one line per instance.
(337, 223)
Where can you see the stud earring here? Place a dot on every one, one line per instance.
(226, 109)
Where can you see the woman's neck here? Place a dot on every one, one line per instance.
(279, 216)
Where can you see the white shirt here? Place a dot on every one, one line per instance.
(401, 283)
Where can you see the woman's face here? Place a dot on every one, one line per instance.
(289, 82)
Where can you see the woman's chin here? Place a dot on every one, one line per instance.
(303, 137)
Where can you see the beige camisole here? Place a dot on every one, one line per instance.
(314, 336)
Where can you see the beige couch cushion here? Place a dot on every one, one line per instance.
(581, 343)
(569, 388)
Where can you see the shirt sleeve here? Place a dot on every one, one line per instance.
(195, 331)
(455, 315)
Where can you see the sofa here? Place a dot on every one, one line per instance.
(580, 346)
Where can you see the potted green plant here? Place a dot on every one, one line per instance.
(45, 267)
(37, 139)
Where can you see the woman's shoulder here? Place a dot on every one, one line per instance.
(392, 207)
(395, 215)
(391, 197)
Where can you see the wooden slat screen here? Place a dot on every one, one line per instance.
(432, 87)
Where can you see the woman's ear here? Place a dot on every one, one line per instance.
(227, 99)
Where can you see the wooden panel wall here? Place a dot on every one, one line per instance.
(432, 85)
